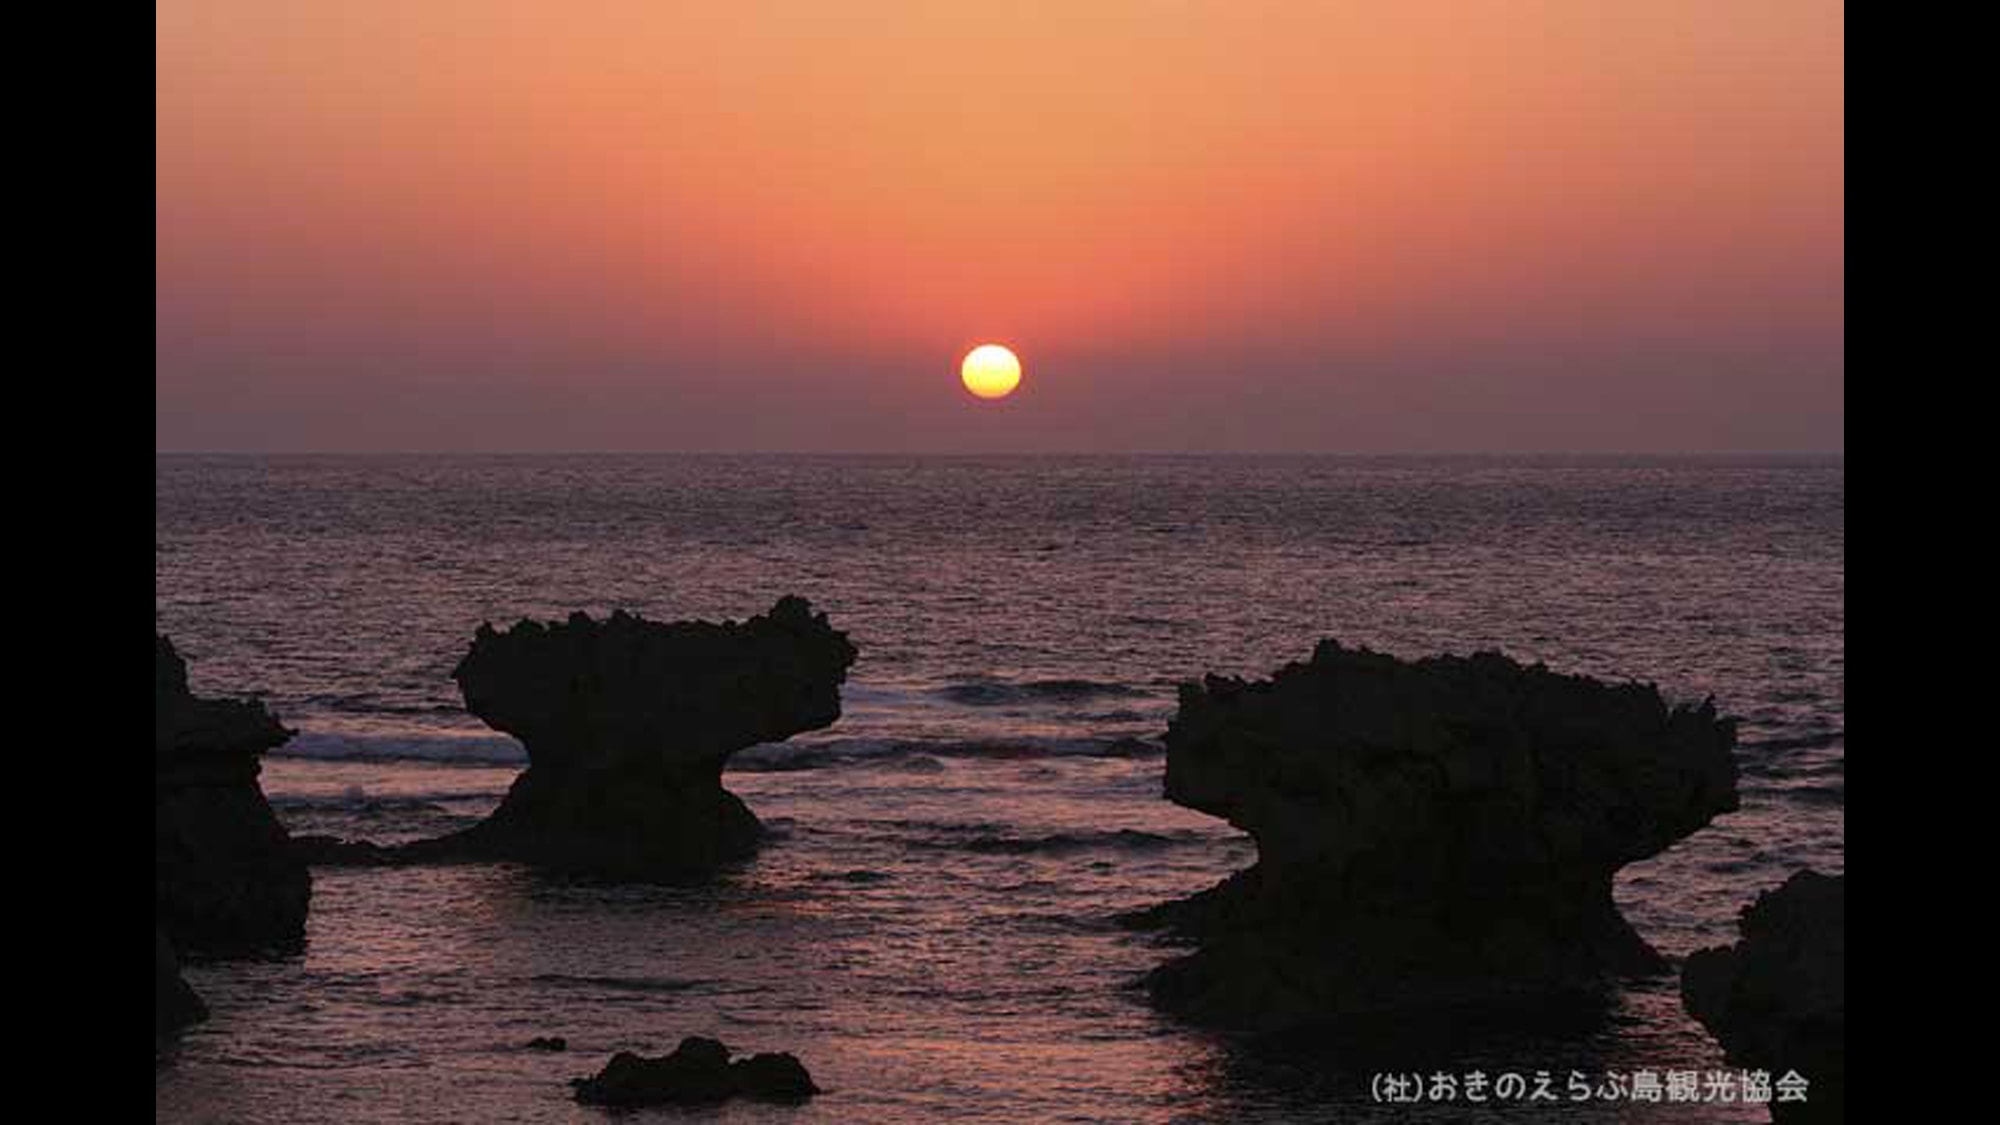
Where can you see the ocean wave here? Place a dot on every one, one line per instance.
(780, 758)
(356, 799)
(370, 703)
(470, 749)
(923, 754)
(852, 875)
(1061, 843)
(1803, 792)
(1813, 741)
(982, 838)
(981, 691)
(616, 984)
(1120, 747)
(911, 754)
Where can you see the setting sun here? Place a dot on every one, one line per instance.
(990, 371)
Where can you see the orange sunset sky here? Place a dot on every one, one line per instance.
(1536, 225)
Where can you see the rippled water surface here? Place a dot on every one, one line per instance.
(929, 927)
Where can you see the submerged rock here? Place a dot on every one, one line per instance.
(175, 1003)
(1777, 999)
(1431, 835)
(698, 1071)
(628, 724)
(225, 879)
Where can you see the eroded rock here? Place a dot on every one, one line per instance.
(1431, 835)
(226, 881)
(628, 724)
(699, 1071)
(1777, 999)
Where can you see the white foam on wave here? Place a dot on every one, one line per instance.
(778, 756)
(342, 746)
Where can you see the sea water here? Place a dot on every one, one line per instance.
(931, 925)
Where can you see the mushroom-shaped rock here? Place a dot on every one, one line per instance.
(1430, 835)
(697, 1072)
(628, 724)
(225, 879)
(1777, 999)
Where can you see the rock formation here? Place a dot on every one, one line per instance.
(1431, 835)
(175, 1005)
(1777, 999)
(628, 724)
(699, 1071)
(225, 879)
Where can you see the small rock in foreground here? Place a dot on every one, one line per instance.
(699, 1071)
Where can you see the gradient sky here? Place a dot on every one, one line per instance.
(1404, 225)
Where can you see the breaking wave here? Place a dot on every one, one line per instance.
(982, 691)
(356, 799)
(922, 755)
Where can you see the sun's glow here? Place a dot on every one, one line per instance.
(990, 371)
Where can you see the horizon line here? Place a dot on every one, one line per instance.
(1443, 453)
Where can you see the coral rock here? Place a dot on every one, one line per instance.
(225, 879)
(698, 1071)
(1431, 835)
(628, 724)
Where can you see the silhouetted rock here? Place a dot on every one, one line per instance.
(175, 1004)
(548, 1043)
(1431, 835)
(225, 879)
(628, 724)
(1777, 999)
(699, 1071)
(776, 1076)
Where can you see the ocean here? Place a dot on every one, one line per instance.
(930, 927)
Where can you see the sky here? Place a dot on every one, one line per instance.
(777, 225)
